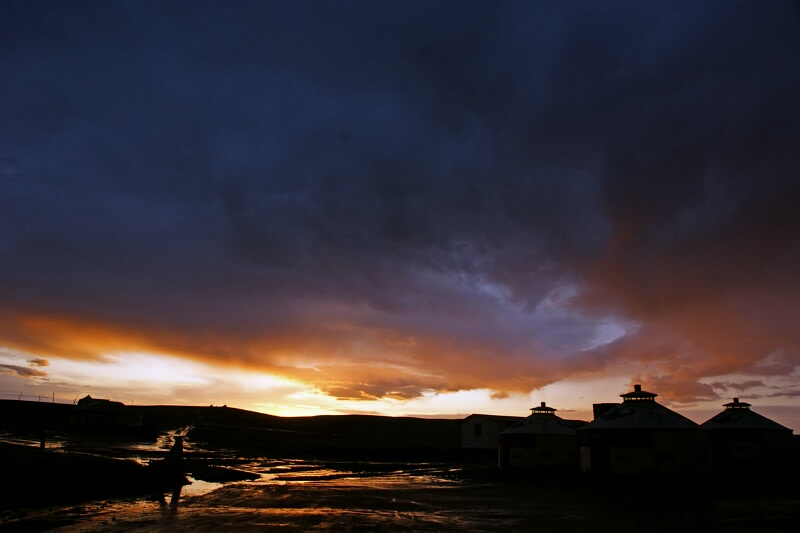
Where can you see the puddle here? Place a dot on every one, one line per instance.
(199, 487)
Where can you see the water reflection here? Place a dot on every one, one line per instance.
(295, 493)
(199, 487)
(52, 441)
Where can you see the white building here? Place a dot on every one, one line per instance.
(481, 431)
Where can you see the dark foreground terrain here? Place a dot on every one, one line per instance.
(253, 472)
(297, 495)
(37, 477)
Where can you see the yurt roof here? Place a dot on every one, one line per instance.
(737, 415)
(542, 421)
(639, 410)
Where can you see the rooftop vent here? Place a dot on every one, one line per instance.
(638, 395)
(736, 404)
(542, 410)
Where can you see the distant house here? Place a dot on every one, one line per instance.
(481, 431)
(96, 414)
(87, 402)
(542, 441)
(641, 436)
(744, 439)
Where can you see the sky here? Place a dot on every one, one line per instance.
(401, 207)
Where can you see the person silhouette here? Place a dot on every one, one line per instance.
(169, 472)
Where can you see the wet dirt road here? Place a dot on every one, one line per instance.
(294, 496)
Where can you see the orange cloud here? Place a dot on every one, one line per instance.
(22, 371)
(346, 361)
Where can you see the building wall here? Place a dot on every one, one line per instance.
(541, 452)
(482, 432)
(643, 451)
(750, 448)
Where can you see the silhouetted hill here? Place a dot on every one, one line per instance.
(256, 433)
(338, 435)
(34, 416)
(174, 416)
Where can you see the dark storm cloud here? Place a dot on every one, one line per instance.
(405, 181)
